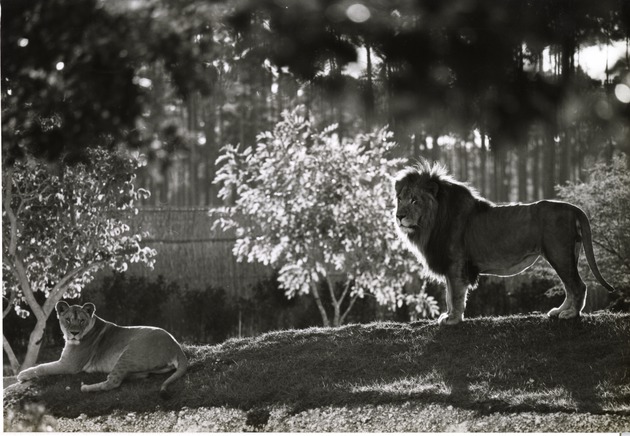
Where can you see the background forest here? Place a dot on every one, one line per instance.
(522, 99)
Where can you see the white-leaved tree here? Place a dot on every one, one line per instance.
(60, 225)
(317, 207)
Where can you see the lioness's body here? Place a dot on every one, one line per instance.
(96, 345)
(459, 235)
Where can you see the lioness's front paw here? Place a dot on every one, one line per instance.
(26, 375)
(449, 319)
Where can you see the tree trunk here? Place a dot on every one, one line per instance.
(335, 302)
(337, 315)
(35, 343)
(345, 314)
(536, 169)
(522, 173)
(320, 305)
(549, 164)
(483, 159)
(369, 90)
(15, 365)
(500, 174)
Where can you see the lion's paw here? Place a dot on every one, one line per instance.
(448, 319)
(553, 313)
(569, 314)
(561, 313)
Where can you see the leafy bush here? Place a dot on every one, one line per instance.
(606, 200)
(315, 206)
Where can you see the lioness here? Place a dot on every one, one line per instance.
(96, 345)
(459, 235)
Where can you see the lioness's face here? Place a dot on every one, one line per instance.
(75, 321)
(415, 207)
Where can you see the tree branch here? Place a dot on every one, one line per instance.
(347, 311)
(345, 290)
(15, 365)
(613, 252)
(320, 305)
(27, 290)
(8, 198)
(11, 299)
(57, 291)
(331, 288)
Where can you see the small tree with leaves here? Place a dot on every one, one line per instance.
(606, 199)
(315, 207)
(60, 225)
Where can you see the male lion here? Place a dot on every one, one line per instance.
(96, 345)
(459, 235)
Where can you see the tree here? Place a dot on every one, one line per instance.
(59, 228)
(72, 71)
(606, 198)
(316, 207)
(460, 58)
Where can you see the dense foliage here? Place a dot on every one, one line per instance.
(317, 206)
(455, 63)
(60, 225)
(73, 72)
(606, 199)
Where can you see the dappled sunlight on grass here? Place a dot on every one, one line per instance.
(431, 383)
(556, 398)
(511, 364)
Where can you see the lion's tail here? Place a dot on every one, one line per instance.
(181, 367)
(584, 227)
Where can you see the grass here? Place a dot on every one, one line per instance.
(511, 364)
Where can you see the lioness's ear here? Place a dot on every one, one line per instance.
(90, 308)
(61, 308)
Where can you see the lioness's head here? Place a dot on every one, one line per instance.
(75, 321)
(416, 202)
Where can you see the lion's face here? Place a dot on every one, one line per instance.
(75, 321)
(415, 207)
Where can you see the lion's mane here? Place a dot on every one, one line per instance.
(442, 243)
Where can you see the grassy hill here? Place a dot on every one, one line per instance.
(511, 365)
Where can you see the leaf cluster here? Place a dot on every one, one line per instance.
(459, 64)
(606, 200)
(318, 207)
(64, 223)
(71, 71)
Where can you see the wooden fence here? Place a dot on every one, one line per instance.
(191, 253)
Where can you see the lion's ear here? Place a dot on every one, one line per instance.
(90, 308)
(61, 308)
(433, 188)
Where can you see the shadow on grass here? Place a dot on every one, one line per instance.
(513, 364)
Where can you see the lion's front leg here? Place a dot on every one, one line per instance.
(455, 301)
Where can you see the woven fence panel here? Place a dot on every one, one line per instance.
(191, 253)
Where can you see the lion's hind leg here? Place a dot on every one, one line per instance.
(566, 266)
